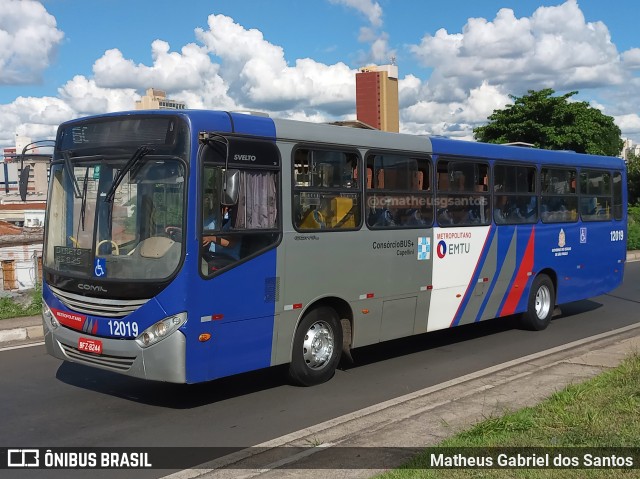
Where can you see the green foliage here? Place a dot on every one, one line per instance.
(602, 412)
(633, 178)
(10, 308)
(553, 123)
(633, 227)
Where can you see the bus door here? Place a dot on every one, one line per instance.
(238, 228)
(463, 217)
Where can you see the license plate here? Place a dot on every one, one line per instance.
(90, 345)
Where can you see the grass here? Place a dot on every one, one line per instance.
(602, 412)
(11, 308)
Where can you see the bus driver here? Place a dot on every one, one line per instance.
(224, 245)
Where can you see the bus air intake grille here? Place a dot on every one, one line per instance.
(110, 308)
(114, 363)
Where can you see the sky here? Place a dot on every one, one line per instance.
(457, 60)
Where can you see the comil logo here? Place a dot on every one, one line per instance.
(92, 287)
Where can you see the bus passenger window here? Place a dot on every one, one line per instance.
(462, 197)
(397, 197)
(595, 195)
(559, 202)
(326, 194)
(515, 199)
(617, 196)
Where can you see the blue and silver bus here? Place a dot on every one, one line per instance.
(193, 245)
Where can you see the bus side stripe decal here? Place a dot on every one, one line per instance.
(521, 278)
(505, 266)
(474, 277)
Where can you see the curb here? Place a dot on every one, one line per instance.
(403, 423)
(27, 329)
(633, 256)
(29, 333)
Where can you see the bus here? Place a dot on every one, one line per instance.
(194, 245)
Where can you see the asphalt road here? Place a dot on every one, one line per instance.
(48, 403)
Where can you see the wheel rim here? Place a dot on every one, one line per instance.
(317, 347)
(543, 302)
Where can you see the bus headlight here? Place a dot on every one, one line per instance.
(161, 329)
(48, 316)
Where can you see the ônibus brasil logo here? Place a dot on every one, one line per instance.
(442, 249)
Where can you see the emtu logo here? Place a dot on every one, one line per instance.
(441, 249)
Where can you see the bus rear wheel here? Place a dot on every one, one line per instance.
(316, 347)
(541, 303)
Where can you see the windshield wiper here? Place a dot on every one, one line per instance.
(69, 167)
(135, 158)
(83, 206)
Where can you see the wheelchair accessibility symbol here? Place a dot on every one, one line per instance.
(100, 267)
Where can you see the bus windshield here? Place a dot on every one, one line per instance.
(111, 212)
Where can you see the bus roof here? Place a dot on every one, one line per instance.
(314, 132)
(446, 146)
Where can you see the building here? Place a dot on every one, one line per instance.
(20, 257)
(21, 222)
(157, 100)
(377, 97)
(353, 124)
(13, 209)
(9, 174)
(629, 149)
(28, 214)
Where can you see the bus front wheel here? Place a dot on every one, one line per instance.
(316, 347)
(541, 304)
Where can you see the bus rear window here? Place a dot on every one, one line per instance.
(595, 195)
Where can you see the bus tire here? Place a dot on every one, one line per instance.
(317, 346)
(540, 305)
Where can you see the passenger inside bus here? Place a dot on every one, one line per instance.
(500, 211)
(222, 219)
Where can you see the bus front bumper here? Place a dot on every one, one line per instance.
(163, 361)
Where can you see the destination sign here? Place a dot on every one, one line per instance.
(78, 257)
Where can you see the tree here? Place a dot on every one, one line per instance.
(633, 178)
(553, 123)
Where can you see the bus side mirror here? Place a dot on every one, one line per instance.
(230, 187)
(23, 182)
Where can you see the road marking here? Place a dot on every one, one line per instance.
(20, 346)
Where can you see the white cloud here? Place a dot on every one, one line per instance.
(629, 124)
(555, 47)
(475, 70)
(631, 58)
(371, 10)
(455, 118)
(86, 98)
(28, 41)
(231, 67)
(37, 118)
(379, 50)
(409, 89)
(190, 75)
(170, 70)
(258, 75)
